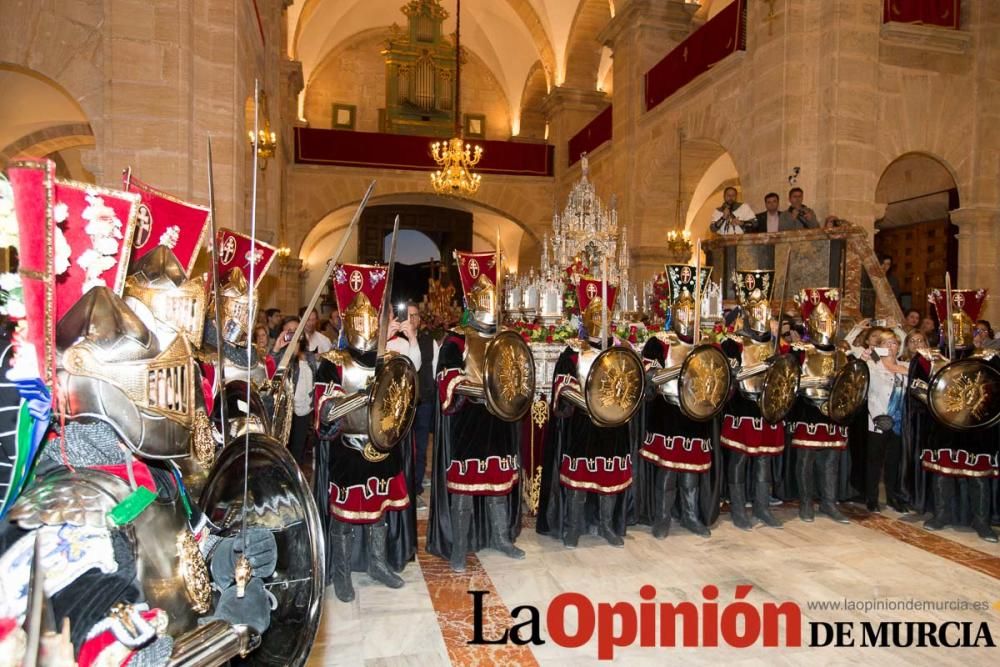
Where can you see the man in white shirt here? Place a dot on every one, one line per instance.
(315, 341)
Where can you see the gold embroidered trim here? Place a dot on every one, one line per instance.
(592, 486)
(402, 503)
(818, 444)
(472, 488)
(663, 463)
(960, 472)
(736, 444)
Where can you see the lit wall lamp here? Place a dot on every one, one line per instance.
(266, 141)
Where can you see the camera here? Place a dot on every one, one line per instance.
(401, 315)
(288, 336)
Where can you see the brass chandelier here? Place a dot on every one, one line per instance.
(454, 157)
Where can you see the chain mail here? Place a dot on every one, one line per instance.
(86, 444)
(156, 654)
(237, 354)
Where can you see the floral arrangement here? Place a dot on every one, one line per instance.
(542, 333)
(634, 333)
(661, 296)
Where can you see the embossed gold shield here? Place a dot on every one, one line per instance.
(704, 383)
(965, 395)
(509, 376)
(615, 386)
(848, 392)
(392, 403)
(781, 385)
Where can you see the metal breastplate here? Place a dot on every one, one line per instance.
(354, 377)
(475, 355)
(818, 370)
(754, 355)
(676, 354)
(585, 360)
(169, 566)
(257, 373)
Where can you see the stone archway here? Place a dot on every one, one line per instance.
(40, 118)
(918, 191)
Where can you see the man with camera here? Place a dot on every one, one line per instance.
(798, 215)
(407, 339)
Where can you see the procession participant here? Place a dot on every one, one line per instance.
(818, 441)
(475, 493)
(585, 465)
(957, 452)
(745, 433)
(679, 447)
(127, 409)
(372, 524)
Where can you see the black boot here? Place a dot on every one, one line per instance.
(576, 501)
(804, 460)
(738, 491)
(378, 568)
(762, 492)
(461, 520)
(340, 548)
(666, 493)
(606, 509)
(500, 528)
(828, 470)
(944, 491)
(979, 499)
(690, 510)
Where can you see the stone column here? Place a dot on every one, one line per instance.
(568, 110)
(641, 33)
(978, 241)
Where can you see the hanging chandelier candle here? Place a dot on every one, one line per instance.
(455, 157)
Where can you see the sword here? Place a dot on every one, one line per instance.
(840, 306)
(499, 290)
(781, 302)
(243, 571)
(696, 334)
(383, 316)
(951, 326)
(604, 302)
(286, 358)
(220, 373)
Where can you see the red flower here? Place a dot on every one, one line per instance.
(632, 339)
(526, 337)
(548, 339)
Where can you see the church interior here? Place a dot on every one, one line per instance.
(594, 131)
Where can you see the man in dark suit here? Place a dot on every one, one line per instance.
(768, 220)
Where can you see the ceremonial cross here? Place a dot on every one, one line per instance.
(145, 220)
(228, 250)
(356, 281)
(473, 268)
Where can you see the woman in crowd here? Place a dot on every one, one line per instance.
(915, 341)
(303, 370)
(885, 419)
(912, 320)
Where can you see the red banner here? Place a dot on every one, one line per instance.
(943, 13)
(590, 137)
(377, 150)
(719, 37)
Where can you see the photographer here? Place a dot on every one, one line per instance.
(885, 414)
(798, 215)
(407, 339)
(302, 370)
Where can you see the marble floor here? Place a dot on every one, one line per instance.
(884, 557)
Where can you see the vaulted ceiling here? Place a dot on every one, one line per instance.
(511, 37)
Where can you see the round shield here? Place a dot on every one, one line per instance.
(848, 392)
(965, 395)
(615, 386)
(704, 383)
(392, 403)
(278, 499)
(509, 376)
(781, 385)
